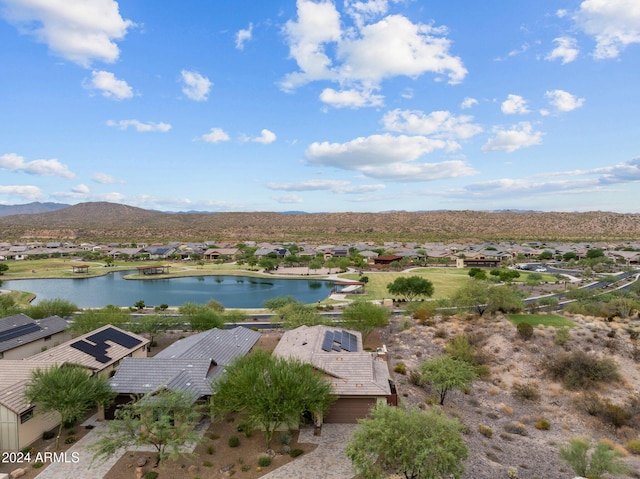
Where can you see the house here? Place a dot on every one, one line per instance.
(99, 351)
(359, 378)
(189, 364)
(386, 259)
(217, 253)
(21, 336)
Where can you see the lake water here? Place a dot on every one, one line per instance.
(230, 291)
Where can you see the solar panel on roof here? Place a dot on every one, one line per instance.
(98, 351)
(328, 341)
(19, 331)
(115, 336)
(337, 337)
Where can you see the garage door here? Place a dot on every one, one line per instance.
(349, 410)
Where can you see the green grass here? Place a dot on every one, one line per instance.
(445, 281)
(544, 320)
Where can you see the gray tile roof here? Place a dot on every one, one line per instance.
(218, 345)
(47, 327)
(145, 375)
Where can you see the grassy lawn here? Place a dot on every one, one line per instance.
(445, 281)
(545, 320)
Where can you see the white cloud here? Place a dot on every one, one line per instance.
(110, 86)
(439, 124)
(81, 189)
(362, 56)
(335, 186)
(566, 50)
(196, 87)
(80, 31)
(388, 157)
(13, 162)
(215, 135)
(243, 36)
(514, 104)
(350, 98)
(140, 126)
(564, 101)
(288, 199)
(518, 136)
(27, 192)
(266, 137)
(614, 24)
(468, 102)
(103, 178)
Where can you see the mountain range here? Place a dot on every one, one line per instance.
(103, 221)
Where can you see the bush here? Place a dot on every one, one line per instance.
(37, 465)
(48, 435)
(207, 464)
(485, 430)
(264, 461)
(415, 378)
(528, 391)
(525, 331)
(234, 441)
(563, 335)
(296, 452)
(70, 440)
(151, 475)
(581, 370)
(285, 438)
(543, 425)
(633, 446)
(400, 368)
(210, 449)
(516, 428)
(615, 415)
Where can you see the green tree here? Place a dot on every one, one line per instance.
(51, 307)
(270, 391)
(594, 253)
(152, 325)
(478, 273)
(412, 443)
(292, 313)
(504, 299)
(602, 459)
(91, 319)
(473, 295)
(410, 287)
(365, 316)
(445, 374)
(3, 267)
(68, 390)
(164, 419)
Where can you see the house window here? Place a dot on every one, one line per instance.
(47, 338)
(25, 416)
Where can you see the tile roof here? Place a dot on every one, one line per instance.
(34, 330)
(358, 373)
(110, 350)
(145, 375)
(14, 376)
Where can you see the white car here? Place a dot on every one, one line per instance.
(541, 270)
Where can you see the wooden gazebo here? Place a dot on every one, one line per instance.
(80, 268)
(150, 270)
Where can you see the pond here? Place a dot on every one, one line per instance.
(230, 291)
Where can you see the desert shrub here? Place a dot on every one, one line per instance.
(485, 430)
(210, 449)
(296, 452)
(416, 378)
(633, 334)
(245, 467)
(516, 428)
(151, 475)
(633, 446)
(48, 435)
(400, 368)
(525, 331)
(207, 464)
(441, 333)
(422, 312)
(601, 460)
(615, 415)
(543, 425)
(462, 348)
(405, 324)
(528, 391)
(563, 335)
(233, 441)
(286, 449)
(37, 465)
(581, 370)
(70, 440)
(264, 461)
(285, 437)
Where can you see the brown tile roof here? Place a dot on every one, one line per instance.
(14, 376)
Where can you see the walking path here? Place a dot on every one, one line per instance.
(85, 468)
(327, 461)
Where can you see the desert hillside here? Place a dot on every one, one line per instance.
(115, 222)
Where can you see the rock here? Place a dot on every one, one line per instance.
(227, 468)
(17, 473)
(192, 468)
(142, 462)
(139, 472)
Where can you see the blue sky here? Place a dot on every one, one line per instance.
(322, 106)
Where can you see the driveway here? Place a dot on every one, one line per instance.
(327, 461)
